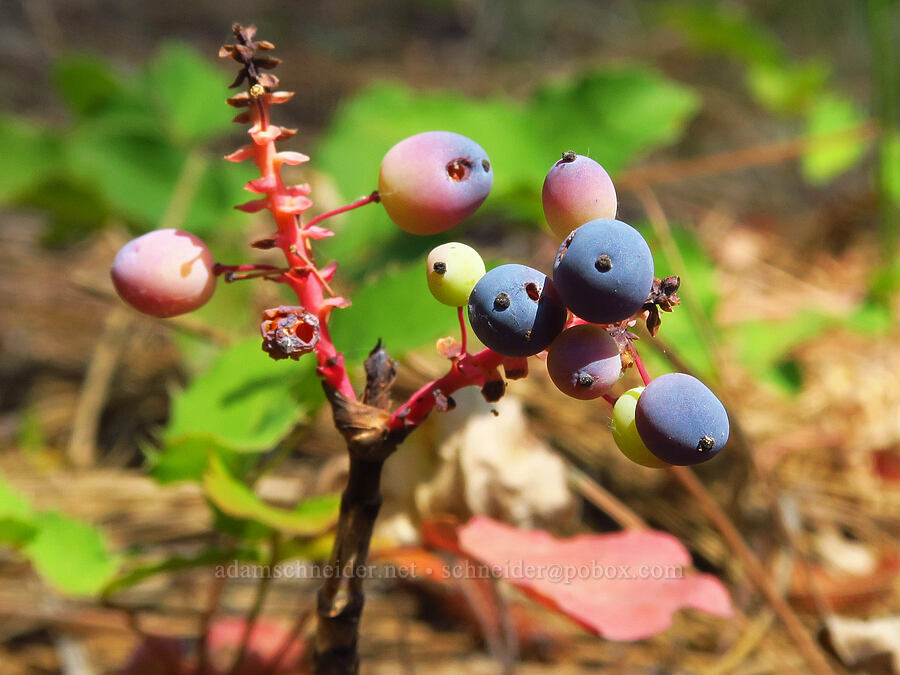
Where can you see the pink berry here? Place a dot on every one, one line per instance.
(584, 361)
(433, 181)
(577, 190)
(164, 273)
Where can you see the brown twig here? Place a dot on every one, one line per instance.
(82, 448)
(212, 606)
(364, 426)
(810, 651)
(259, 598)
(605, 501)
(735, 160)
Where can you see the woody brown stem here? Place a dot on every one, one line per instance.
(341, 598)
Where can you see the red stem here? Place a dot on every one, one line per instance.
(343, 209)
(640, 366)
(462, 330)
(467, 370)
(219, 268)
(304, 278)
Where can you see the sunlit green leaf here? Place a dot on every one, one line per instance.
(765, 345)
(890, 167)
(12, 504)
(784, 88)
(245, 401)
(722, 29)
(71, 555)
(311, 517)
(830, 115)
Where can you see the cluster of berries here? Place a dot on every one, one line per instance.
(602, 281)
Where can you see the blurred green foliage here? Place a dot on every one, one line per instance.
(779, 84)
(71, 555)
(129, 140)
(614, 114)
(312, 517)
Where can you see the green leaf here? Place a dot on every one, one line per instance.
(74, 210)
(890, 167)
(188, 94)
(15, 532)
(765, 346)
(718, 29)
(310, 518)
(832, 114)
(30, 155)
(134, 169)
(204, 558)
(245, 401)
(70, 555)
(184, 458)
(12, 504)
(16, 516)
(613, 114)
(785, 88)
(397, 309)
(86, 83)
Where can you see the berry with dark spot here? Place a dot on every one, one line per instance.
(584, 361)
(452, 270)
(516, 311)
(433, 181)
(604, 271)
(680, 420)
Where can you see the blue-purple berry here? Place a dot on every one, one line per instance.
(604, 271)
(680, 420)
(516, 311)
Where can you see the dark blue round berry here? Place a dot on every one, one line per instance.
(604, 271)
(680, 420)
(516, 311)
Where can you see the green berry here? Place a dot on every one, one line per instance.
(453, 270)
(625, 433)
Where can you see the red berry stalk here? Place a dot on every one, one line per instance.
(286, 203)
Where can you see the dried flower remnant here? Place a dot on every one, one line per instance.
(663, 295)
(289, 332)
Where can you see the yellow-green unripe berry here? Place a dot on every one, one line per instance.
(625, 433)
(453, 270)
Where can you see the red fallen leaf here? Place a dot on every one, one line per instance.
(887, 465)
(416, 563)
(441, 532)
(595, 579)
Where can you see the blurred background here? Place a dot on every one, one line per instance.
(755, 145)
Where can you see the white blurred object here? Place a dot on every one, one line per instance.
(472, 461)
